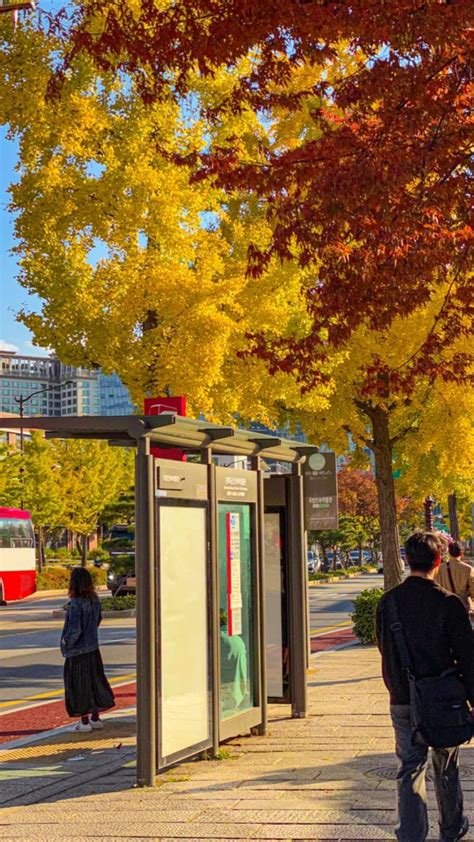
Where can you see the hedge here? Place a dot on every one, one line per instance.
(320, 577)
(119, 603)
(363, 616)
(57, 578)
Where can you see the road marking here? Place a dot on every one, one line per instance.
(59, 692)
(345, 625)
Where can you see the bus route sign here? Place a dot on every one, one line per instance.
(320, 492)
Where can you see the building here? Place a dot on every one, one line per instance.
(114, 396)
(48, 387)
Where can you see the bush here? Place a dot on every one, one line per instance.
(60, 553)
(99, 575)
(100, 553)
(121, 564)
(53, 578)
(118, 603)
(363, 616)
(56, 577)
(119, 544)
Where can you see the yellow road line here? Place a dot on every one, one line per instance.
(345, 625)
(53, 693)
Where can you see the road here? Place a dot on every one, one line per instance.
(31, 664)
(330, 605)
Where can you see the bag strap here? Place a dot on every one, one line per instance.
(450, 576)
(399, 636)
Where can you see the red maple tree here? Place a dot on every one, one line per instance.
(381, 201)
(378, 200)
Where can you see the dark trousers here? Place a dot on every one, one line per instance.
(412, 763)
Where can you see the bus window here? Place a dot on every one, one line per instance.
(15, 533)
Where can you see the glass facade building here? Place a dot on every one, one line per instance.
(83, 392)
(114, 396)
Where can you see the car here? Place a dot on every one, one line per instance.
(122, 584)
(313, 562)
(328, 564)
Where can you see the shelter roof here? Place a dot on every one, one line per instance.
(167, 430)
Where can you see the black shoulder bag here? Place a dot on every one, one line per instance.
(439, 710)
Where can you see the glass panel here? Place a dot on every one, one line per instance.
(185, 697)
(236, 609)
(274, 597)
(16, 533)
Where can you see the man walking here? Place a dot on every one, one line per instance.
(457, 576)
(438, 636)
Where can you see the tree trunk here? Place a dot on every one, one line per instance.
(41, 553)
(382, 448)
(83, 548)
(453, 517)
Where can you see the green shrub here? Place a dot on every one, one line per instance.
(121, 564)
(118, 603)
(119, 544)
(56, 577)
(363, 616)
(100, 553)
(99, 575)
(53, 578)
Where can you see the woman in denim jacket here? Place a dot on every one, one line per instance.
(87, 690)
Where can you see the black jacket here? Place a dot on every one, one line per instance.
(438, 634)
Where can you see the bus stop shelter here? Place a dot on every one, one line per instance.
(222, 618)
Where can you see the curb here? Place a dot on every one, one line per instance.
(318, 582)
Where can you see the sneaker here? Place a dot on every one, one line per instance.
(81, 727)
(96, 724)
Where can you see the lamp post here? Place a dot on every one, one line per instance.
(429, 519)
(21, 403)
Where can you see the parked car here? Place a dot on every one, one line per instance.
(122, 584)
(328, 563)
(313, 562)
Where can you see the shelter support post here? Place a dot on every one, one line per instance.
(298, 627)
(146, 616)
(256, 462)
(214, 620)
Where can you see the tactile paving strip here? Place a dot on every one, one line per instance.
(69, 744)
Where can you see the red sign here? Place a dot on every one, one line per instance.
(157, 406)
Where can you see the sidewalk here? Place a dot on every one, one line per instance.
(329, 777)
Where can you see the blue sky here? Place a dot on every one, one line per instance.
(12, 295)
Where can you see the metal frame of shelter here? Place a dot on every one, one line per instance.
(204, 440)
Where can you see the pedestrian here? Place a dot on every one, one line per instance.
(87, 691)
(457, 576)
(437, 634)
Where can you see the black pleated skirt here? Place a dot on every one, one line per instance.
(85, 684)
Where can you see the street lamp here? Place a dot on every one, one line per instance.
(22, 400)
(21, 403)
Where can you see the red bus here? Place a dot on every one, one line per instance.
(17, 554)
